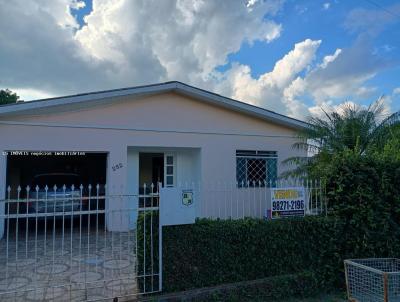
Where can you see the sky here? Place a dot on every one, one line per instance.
(293, 57)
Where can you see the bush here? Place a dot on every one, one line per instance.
(364, 192)
(269, 289)
(210, 253)
(215, 252)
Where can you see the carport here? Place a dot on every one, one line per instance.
(48, 179)
(22, 167)
(50, 251)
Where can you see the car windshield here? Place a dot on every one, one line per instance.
(56, 179)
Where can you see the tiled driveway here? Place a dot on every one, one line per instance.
(67, 266)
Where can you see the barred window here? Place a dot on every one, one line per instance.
(256, 168)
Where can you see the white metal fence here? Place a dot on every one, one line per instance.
(233, 200)
(75, 243)
(82, 243)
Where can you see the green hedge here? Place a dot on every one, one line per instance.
(275, 288)
(214, 252)
(364, 192)
(210, 253)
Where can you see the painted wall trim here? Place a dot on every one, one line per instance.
(100, 127)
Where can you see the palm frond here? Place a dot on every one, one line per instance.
(352, 128)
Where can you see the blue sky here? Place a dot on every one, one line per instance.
(291, 56)
(321, 20)
(308, 19)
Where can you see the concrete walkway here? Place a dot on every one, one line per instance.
(74, 266)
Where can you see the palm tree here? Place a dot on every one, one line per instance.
(351, 128)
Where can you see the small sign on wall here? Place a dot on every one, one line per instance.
(187, 197)
(287, 202)
(177, 206)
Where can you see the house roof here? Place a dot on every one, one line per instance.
(106, 96)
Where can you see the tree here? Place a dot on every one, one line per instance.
(351, 128)
(391, 148)
(8, 97)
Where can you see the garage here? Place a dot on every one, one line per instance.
(58, 235)
(71, 179)
(48, 168)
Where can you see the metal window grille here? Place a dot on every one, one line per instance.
(371, 280)
(256, 168)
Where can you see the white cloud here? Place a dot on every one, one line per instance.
(185, 40)
(296, 78)
(301, 9)
(31, 94)
(319, 111)
(396, 91)
(326, 6)
(125, 43)
(292, 63)
(38, 49)
(371, 21)
(43, 52)
(345, 76)
(365, 91)
(330, 58)
(275, 90)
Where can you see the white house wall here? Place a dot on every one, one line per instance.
(164, 121)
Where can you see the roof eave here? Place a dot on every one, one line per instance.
(156, 89)
(88, 97)
(242, 107)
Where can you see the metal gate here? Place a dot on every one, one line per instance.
(78, 244)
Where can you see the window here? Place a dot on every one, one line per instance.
(169, 160)
(256, 168)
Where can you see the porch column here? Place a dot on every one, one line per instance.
(132, 185)
(3, 190)
(117, 218)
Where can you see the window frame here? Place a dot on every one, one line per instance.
(167, 165)
(265, 156)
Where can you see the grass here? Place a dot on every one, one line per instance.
(332, 297)
(335, 297)
(338, 297)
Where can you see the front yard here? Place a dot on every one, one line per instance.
(332, 297)
(337, 297)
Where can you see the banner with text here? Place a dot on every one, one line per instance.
(287, 202)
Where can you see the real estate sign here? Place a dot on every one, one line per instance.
(287, 202)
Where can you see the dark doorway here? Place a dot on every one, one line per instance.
(151, 173)
(151, 169)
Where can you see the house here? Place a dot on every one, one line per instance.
(170, 132)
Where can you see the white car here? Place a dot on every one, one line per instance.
(55, 201)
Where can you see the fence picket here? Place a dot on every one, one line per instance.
(31, 233)
(233, 200)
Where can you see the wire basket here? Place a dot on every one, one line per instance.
(373, 280)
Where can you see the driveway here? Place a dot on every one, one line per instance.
(74, 265)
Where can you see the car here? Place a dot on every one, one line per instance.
(59, 200)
